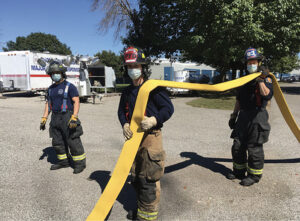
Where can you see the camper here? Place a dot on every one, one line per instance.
(21, 71)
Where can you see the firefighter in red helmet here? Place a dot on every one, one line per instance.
(148, 166)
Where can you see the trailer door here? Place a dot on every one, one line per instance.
(14, 71)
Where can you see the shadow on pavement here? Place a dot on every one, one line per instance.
(49, 152)
(20, 94)
(291, 90)
(127, 196)
(194, 158)
(211, 163)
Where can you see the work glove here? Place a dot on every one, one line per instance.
(43, 123)
(264, 72)
(126, 131)
(232, 120)
(73, 122)
(148, 123)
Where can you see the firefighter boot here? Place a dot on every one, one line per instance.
(250, 180)
(59, 165)
(78, 169)
(236, 174)
(132, 215)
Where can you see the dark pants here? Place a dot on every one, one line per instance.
(64, 137)
(250, 133)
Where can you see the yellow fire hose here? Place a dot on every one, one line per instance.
(131, 146)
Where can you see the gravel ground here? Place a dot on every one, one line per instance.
(194, 187)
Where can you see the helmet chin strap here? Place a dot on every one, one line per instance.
(138, 81)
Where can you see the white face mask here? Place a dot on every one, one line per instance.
(252, 68)
(56, 77)
(134, 73)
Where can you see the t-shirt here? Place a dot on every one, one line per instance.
(56, 96)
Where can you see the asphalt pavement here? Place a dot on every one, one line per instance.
(194, 186)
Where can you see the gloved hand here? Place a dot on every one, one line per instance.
(232, 120)
(148, 123)
(43, 123)
(264, 72)
(73, 122)
(127, 132)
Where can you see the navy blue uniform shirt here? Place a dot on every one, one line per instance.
(159, 105)
(57, 95)
(249, 95)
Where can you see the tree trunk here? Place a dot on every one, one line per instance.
(233, 76)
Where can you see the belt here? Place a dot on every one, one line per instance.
(253, 109)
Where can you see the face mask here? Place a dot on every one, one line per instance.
(56, 77)
(134, 73)
(252, 68)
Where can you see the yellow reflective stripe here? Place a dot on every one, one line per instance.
(147, 216)
(146, 213)
(61, 156)
(254, 171)
(239, 166)
(79, 157)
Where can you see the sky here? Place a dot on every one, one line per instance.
(71, 21)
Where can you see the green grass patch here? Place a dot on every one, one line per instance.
(119, 88)
(222, 103)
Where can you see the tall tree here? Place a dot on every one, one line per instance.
(38, 42)
(218, 32)
(110, 59)
(118, 14)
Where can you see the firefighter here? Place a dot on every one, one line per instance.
(65, 127)
(249, 122)
(148, 166)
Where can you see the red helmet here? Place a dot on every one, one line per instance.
(134, 55)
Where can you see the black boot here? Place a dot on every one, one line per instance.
(78, 169)
(132, 215)
(236, 174)
(59, 166)
(250, 180)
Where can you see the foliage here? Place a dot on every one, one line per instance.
(285, 64)
(218, 32)
(118, 13)
(38, 42)
(110, 59)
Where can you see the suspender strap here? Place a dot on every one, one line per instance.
(49, 101)
(64, 107)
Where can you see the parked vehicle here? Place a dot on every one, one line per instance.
(21, 71)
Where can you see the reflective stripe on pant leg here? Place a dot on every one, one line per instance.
(79, 157)
(148, 198)
(61, 156)
(254, 171)
(239, 155)
(147, 215)
(239, 166)
(255, 159)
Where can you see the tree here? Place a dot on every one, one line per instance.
(38, 42)
(110, 59)
(218, 32)
(118, 14)
(285, 64)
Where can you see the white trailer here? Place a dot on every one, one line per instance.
(20, 71)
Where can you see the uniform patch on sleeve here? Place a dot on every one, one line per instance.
(268, 80)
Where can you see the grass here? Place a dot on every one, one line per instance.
(214, 100)
(119, 88)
